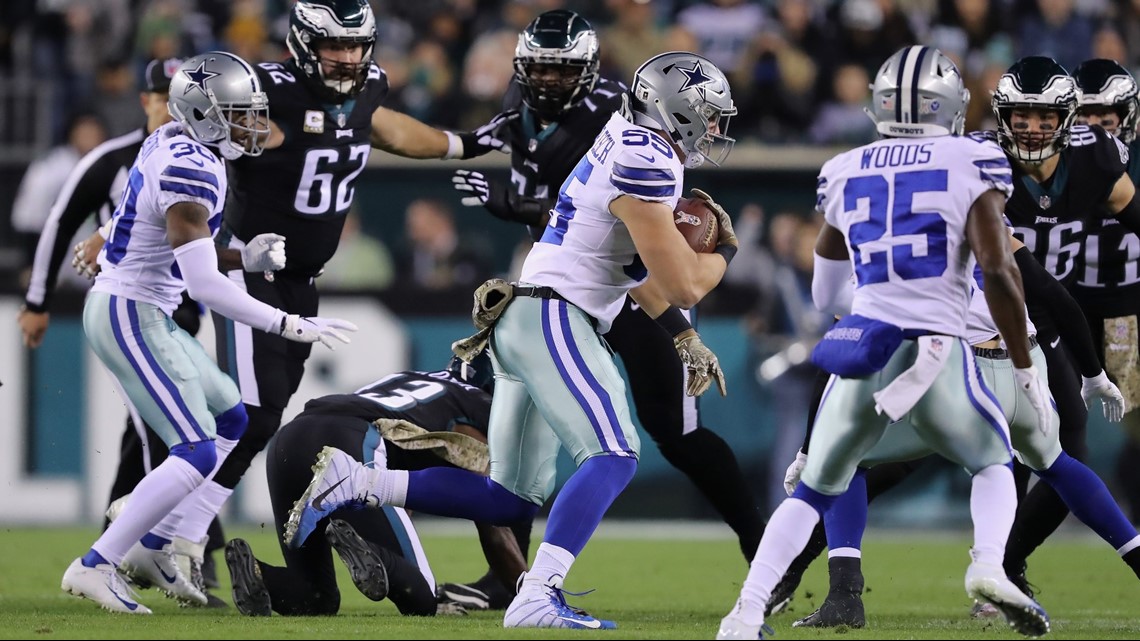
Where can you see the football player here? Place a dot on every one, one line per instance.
(903, 350)
(557, 385)
(1108, 285)
(161, 243)
(553, 111)
(427, 419)
(326, 106)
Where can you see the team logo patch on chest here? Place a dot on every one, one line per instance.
(1045, 202)
(314, 122)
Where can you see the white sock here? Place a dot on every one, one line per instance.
(381, 486)
(192, 517)
(551, 565)
(845, 553)
(786, 535)
(153, 498)
(1129, 546)
(993, 504)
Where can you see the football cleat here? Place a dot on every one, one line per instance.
(159, 569)
(988, 584)
(837, 609)
(733, 627)
(982, 610)
(544, 606)
(330, 490)
(475, 596)
(364, 565)
(103, 585)
(251, 598)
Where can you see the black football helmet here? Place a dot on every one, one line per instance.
(345, 21)
(1105, 83)
(478, 373)
(1035, 82)
(560, 41)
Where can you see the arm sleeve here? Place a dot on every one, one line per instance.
(831, 287)
(1044, 290)
(83, 194)
(198, 262)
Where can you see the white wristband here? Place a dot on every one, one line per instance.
(105, 230)
(454, 146)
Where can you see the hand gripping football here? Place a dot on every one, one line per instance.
(697, 223)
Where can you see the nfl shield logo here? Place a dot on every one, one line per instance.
(936, 344)
(1045, 202)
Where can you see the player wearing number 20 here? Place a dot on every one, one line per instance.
(911, 215)
(326, 101)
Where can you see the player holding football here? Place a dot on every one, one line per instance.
(902, 352)
(553, 111)
(557, 385)
(161, 243)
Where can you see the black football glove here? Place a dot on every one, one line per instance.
(487, 138)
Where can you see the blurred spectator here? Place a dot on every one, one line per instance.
(634, 37)
(1108, 43)
(246, 34)
(116, 101)
(361, 262)
(870, 31)
(843, 121)
(423, 85)
(970, 32)
(435, 256)
(751, 273)
(1058, 31)
(980, 113)
(724, 30)
(45, 177)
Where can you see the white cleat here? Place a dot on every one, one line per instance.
(733, 626)
(103, 585)
(160, 569)
(989, 584)
(331, 489)
(545, 607)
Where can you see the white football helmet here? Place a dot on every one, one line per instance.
(686, 96)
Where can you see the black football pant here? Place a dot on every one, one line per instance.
(307, 583)
(656, 380)
(267, 368)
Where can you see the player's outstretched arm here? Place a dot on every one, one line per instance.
(189, 234)
(405, 136)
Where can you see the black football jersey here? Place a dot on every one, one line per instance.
(434, 401)
(303, 189)
(1053, 218)
(1107, 282)
(541, 159)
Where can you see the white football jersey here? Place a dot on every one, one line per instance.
(137, 261)
(586, 253)
(902, 205)
(980, 325)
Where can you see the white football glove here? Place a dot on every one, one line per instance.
(473, 185)
(792, 476)
(310, 329)
(264, 253)
(1037, 393)
(1110, 397)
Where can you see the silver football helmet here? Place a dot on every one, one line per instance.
(918, 92)
(686, 96)
(218, 99)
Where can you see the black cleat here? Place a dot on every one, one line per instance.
(251, 598)
(367, 570)
(782, 596)
(837, 610)
(488, 593)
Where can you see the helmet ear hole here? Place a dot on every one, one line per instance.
(682, 119)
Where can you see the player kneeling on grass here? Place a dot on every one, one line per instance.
(161, 243)
(416, 420)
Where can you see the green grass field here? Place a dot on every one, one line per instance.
(654, 589)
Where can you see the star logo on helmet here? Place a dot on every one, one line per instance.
(694, 77)
(198, 78)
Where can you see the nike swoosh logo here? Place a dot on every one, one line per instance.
(130, 605)
(634, 306)
(321, 497)
(1055, 341)
(646, 158)
(169, 578)
(197, 162)
(593, 624)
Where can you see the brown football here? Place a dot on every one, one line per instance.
(697, 223)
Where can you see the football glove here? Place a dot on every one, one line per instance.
(1036, 392)
(792, 476)
(264, 253)
(700, 363)
(725, 234)
(486, 139)
(473, 186)
(1110, 397)
(310, 329)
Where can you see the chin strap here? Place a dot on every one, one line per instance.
(230, 150)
